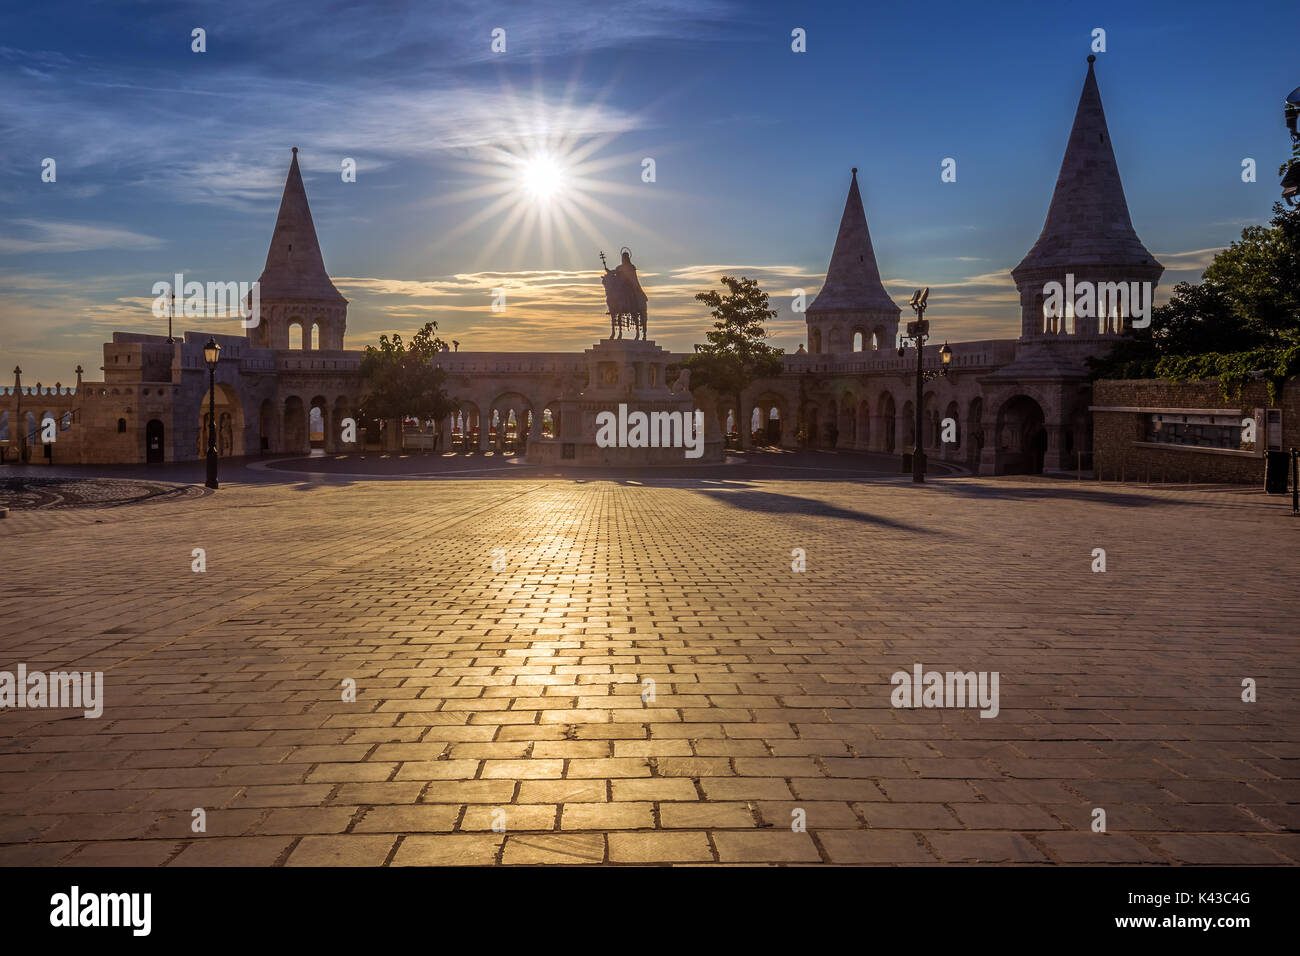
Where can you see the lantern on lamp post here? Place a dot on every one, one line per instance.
(211, 356)
(918, 332)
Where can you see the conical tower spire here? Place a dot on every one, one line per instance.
(1088, 221)
(294, 267)
(852, 278)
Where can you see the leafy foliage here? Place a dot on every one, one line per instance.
(402, 380)
(1243, 318)
(736, 352)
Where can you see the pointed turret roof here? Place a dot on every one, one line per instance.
(852, 278)
(1088, 222)
(294, 267)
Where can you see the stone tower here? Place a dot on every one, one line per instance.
(1088, 233)
(295, 289)
(853, 299)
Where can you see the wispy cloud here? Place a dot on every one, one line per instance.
(72, 237)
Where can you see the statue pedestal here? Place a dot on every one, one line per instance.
(627, 416)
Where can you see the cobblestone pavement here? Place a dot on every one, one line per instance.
(514, 696)
(35, 493)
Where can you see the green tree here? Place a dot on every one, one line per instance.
(1244, 315)
(735, 352)
(401, 378)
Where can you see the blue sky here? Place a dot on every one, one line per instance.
(170, 160)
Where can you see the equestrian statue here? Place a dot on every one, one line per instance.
(624, 298)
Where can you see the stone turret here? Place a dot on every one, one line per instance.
(1088, 233)
(294, 287)
(852, 299)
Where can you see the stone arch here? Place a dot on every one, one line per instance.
(815, 341)
(319, 426)
(296, 338)
(930, 420)
(909, 426)
(551, 426)
(1021, 436)
(467, 426)
(863, 436)
(773, 415)
(877, 338)
(859, 340)
(506, 417)
(230, 422)
(887, 416)
(729, 419)
(774, 435)
(953, 411)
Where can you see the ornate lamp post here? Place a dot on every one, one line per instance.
(211, 355)
(918, 332)
(1291, 168)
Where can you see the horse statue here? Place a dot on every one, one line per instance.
(624, 298)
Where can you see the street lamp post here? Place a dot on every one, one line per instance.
(211, 355)
(918, 332)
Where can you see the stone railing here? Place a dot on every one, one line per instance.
(38, 389)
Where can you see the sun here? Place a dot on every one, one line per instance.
(547, 180)
(542, 177)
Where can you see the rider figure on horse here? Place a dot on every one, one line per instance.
(624, 297)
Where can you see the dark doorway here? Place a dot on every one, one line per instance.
(155, 453)
(1022, 437)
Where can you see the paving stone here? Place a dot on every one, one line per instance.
(765, 846)
(659, 847)
(238, 851)
(346, 850)
(874, 846)
(581, 848)
(424, 818)
(477, 849)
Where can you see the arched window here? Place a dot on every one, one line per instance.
(66, 423)
(295, 335)
(857, 341)
(121, 426)
(4, 426)
(315, 336)
(875, 341)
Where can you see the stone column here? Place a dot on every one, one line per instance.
(328, 423)
(1053, 460)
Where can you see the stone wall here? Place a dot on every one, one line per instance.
(1120, 453)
